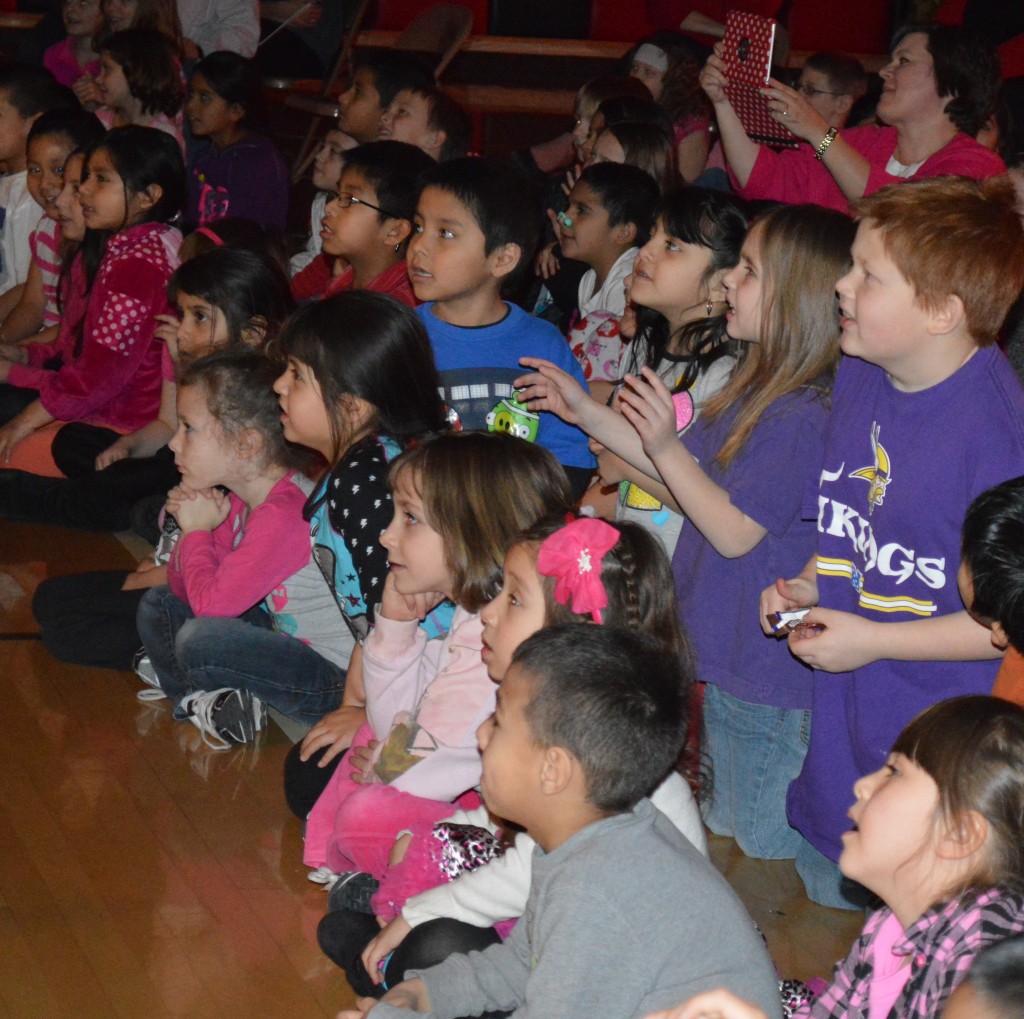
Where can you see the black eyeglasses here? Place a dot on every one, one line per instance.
(810, 91)
(344, 199)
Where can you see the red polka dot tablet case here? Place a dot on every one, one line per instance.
(748, 46)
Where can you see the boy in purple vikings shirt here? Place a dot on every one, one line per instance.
(926, 414)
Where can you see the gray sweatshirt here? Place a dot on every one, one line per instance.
(624, 918)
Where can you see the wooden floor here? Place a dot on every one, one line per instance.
(142, 874)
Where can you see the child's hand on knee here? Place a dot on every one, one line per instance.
(335, 731)
(383, 945)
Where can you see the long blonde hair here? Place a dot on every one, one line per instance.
(805, 249)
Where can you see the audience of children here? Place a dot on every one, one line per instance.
(238, 172)
(131, 190)
(725, 414)
(377, 80)
(139, 82)
(227, 299)
(416, 755)
(542, 586)
(742, 503)
(936, 836)
(935, 268)
(53, 137)
(612, 878)
(222, 672)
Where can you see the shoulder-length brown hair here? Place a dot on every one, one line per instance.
(805, 249)
(479, 491)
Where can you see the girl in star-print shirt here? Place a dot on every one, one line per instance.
(360, 385)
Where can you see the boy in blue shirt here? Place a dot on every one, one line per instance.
(474, 232)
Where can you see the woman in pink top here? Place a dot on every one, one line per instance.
(938, 89)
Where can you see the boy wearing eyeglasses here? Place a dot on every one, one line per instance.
(367, 223)
(833, 82)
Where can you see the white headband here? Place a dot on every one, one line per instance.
(651, 55)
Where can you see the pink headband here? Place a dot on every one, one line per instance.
(207, 232)
(574, 555)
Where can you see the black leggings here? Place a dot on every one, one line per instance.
(87, 499)
(304, 781)
(344, 934)
(87, 619)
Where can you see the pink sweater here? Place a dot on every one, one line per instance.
(115, 380)
(444, 684)
(795, 176)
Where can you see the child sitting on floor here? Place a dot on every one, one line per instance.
(624, 913)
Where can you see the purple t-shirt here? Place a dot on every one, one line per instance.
(718, 597)
(899, 472)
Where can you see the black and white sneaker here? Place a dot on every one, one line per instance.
(143, 668)
(225, 717)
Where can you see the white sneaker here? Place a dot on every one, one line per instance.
(143, 668)
(225, 717)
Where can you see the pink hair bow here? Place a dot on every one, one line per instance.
(573, 556)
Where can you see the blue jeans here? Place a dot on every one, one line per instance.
(825, 883)
(756, 751)
(212, 652)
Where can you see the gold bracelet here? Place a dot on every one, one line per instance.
(830, 136)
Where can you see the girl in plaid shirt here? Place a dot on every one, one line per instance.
(938, 836)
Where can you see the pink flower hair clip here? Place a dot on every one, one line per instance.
(574, 556)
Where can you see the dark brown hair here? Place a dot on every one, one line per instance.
(973, 748)
(150, 67)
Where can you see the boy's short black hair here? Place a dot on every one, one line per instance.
(628, 194)
(81, 128)
(392, 71)
(497, 199)
(33, 90)
(846, 74)
(614, 699)
(394, 170)
(997, 975)
(448, 116)
(992, 546)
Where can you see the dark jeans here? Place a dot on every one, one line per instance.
(87, 619)
(344, 934)
(213, 652)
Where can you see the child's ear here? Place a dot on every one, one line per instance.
(557, 770)
(436, 143)
(999, 638)
(396, 232)
(948, 317)
(236, 111)
(505, 259)
(963, 838)
(149, 196)
(624, 234)
(249, 444)
(254, 332)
